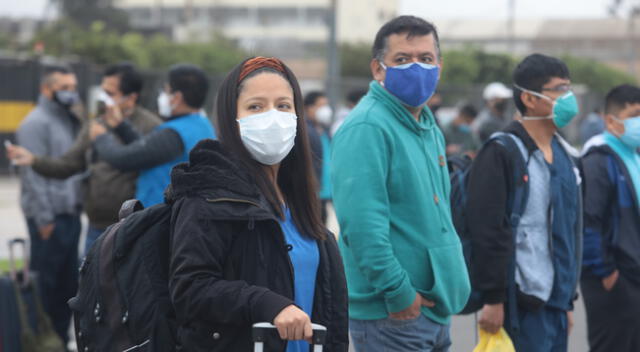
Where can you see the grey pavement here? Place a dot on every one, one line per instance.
(463, 331)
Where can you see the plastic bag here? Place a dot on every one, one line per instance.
(498, 342)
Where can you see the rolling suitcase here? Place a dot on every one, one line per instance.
(261, 330)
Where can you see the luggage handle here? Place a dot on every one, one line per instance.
(261, 330)
(13, 272)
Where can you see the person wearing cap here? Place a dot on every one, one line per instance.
(493, 117)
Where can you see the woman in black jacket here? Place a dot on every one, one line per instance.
(248, 244)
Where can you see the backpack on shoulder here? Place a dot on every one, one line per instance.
(123, 301)
(459, 170)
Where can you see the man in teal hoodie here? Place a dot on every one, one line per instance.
(403, 259)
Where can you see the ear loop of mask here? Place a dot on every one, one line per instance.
(539, 95)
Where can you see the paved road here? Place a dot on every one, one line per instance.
(463, 327)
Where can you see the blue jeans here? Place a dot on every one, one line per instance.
(545, 330)
(389, 335)
(56, 261)
(92, 235)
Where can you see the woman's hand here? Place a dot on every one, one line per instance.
(19, 155)
(293, 324)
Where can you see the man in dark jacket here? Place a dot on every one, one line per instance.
(611, 278)
(546, 240)
(220, 216)
(154, 155)
(105, 187)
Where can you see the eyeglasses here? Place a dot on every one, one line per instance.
(562, 88)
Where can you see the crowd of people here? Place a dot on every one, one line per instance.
(250, 198)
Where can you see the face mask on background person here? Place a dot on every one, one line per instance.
(269, 136)
(413, 83)
(565, 108)
(631, 135)
(66, 98)
(324, 115)
(164, 105)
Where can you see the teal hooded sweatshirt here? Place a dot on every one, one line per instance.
(391, 196)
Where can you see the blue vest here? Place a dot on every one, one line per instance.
(152, 182)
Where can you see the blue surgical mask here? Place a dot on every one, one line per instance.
(631, 135)
(465, 129)
(413, 83)
(565, 108)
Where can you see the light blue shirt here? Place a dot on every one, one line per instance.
(305, 259)
(630, 158)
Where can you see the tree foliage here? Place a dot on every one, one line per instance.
(102, 45)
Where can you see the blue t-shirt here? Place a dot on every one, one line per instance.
(305, 259)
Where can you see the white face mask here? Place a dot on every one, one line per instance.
(323, 115)
(164, 105)
(269, 136)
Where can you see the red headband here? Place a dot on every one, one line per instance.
(260, 62)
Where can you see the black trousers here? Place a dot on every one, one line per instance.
(56, 261)
(613, 317)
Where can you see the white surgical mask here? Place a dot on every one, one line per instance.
(164, 105)
(323, 115)
(269, 136)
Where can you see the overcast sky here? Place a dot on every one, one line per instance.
(430, 9)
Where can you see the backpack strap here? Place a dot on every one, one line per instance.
(516, 206)
(129, 207)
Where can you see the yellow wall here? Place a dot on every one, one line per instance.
(12, 113)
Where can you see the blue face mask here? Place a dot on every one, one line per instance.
(465, 129)
(565, 108)
(413, 83)
(631, 135)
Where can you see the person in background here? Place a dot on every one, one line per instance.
(52, 207)
(403, 259)
(457, 134)
(493, 117)
(105, 187)
(353, 98)
(312, 102)
(546, 241)
(153, 155)
(591, 125)
(247, 244)
(610, 281)
(320, 114)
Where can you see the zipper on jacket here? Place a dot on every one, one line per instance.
(282, 237)
(232, 200)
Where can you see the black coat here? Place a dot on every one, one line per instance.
(230, 266)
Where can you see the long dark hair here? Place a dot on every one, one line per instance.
(296, 179)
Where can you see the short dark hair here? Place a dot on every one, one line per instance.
(533, 72)
(312, 97)
(50, 70)
(469, 111)
(619, 97)
(191, 81)
(130, 78)
(296, 178)
(413, 26)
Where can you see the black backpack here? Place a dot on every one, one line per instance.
(123, 301)
(459, 169)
